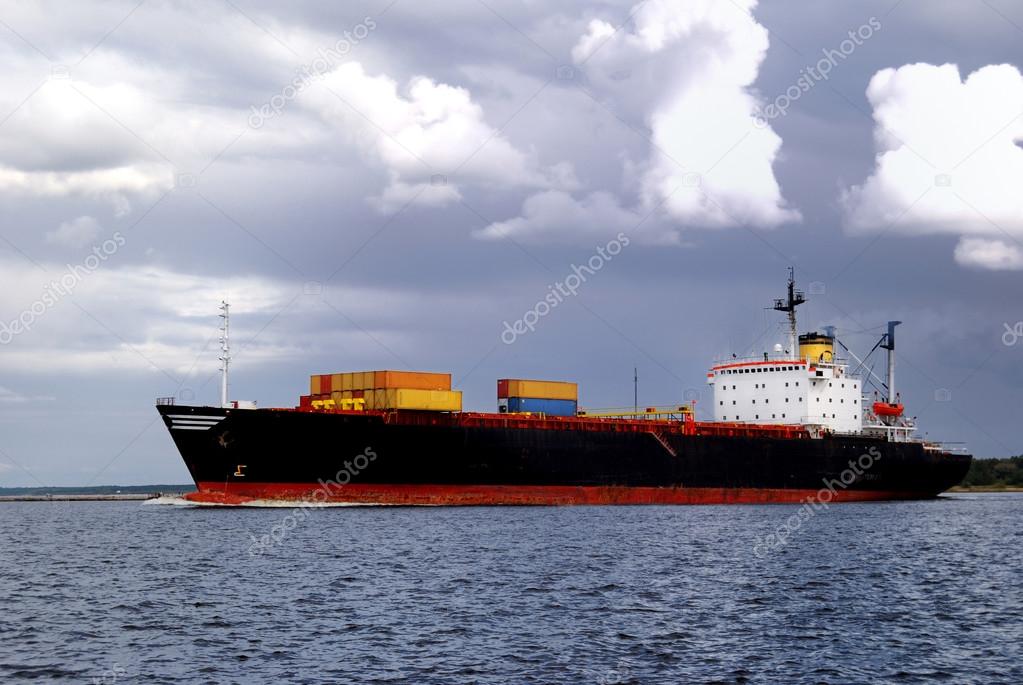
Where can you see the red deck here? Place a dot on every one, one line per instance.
(580, 423)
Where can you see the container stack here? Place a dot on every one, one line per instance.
(385, 390)
(552, 398)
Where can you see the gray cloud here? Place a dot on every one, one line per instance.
(214, 207)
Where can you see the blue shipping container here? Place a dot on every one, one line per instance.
(538, 406)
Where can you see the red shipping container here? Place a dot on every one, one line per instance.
(305, 401)
(325, 385)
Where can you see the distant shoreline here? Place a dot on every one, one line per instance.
(986, 488)
(100, 493)
(76, 498)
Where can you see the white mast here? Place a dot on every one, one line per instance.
(225, 349)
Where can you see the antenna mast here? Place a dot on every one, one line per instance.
(794, 299)
(225, 349)
(635, 388)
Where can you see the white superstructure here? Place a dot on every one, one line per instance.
(808, 385)
(777, 389)
(805, 384)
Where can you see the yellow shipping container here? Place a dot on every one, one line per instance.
(346, 381)
(314, 385)
(347, 394)
(544, 390)
(379, 399)
(335, 381)
(412, 380)
(337, 396)
(416, 399)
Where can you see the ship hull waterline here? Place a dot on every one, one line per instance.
(240, 456)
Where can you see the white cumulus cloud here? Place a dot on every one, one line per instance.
(948, 160)
(426, 130)
(996, 255)
(683, 72)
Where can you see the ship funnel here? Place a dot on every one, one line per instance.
(817, 348)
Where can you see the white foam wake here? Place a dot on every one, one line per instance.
(178, 501)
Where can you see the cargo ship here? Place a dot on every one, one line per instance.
(793, 425)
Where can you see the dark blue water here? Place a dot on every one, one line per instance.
(861, 593)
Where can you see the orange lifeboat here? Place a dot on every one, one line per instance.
(886, 409)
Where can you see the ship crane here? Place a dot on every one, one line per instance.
(891, 406)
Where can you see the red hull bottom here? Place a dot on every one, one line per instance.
(487, 495)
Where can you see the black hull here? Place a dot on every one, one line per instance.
(260, 453)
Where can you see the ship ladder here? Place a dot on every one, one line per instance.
(664, 443)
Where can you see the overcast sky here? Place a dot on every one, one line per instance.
(395, 184)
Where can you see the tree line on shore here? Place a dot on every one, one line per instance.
(1006, 472)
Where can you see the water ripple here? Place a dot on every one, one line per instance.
(919, 592)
